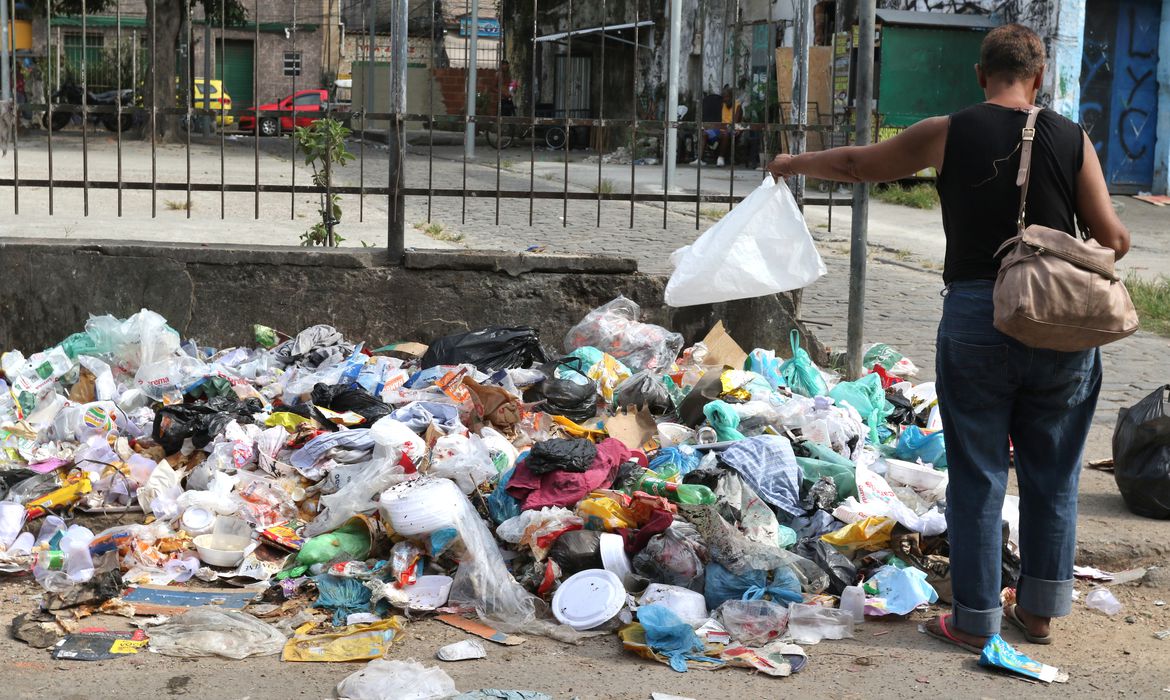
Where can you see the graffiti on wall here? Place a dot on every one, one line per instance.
(1119, 89)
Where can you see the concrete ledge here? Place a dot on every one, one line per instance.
(48, 288)
(517, 263)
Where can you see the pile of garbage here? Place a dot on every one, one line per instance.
(311, 495)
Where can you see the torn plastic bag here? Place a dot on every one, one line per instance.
(1141, 456)
(342, 398)
(488, 349)
(343, 595)
(840, 570)
(914, 444)
(669, 636)
(615, 329)
(800, 372)
(501, 504)
(809, 624)
(464, 460)
(673, 557)
(200, 422)
(727, 545)
(566, 391)
(644, 390)
(753, 623)
(382, 679)
(357, 495)
(213, 631)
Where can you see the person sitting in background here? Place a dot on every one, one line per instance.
(732, 114)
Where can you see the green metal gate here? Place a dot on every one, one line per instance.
(926, 72)
(234, 65)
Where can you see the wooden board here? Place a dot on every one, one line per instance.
(820, 87)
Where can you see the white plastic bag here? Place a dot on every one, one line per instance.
(384, 679)
(760, 247)
(210, 631)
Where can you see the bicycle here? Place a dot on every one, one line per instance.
(554, 136)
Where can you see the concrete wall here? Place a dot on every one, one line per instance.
(214, 295)
(1162, 139)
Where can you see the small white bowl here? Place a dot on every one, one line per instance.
(228, 551)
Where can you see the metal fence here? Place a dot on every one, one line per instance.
(544, 98)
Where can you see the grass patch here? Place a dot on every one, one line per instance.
(713, 213)
(506, 164)
(919, 196)
(438, 232)
(1152, 299)
(603, 187)
(176, 205)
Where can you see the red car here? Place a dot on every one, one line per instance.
(302, 108)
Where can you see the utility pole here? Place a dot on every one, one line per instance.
(858, 245)
(472, 61)
(802, 37)
(671, 152)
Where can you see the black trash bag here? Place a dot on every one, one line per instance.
(644, 390)
(489, 349)
(1141, 456)
(1009, 563)
(200, 422)
(342, 398)
(561, 454)
(841, 571)
(821, 495)
(577, 550)
(903, 413)
(565, 397)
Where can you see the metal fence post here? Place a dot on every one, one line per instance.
(472, 65)
(396, 214)
(801, 30)
(670, 155)
(5, 76)
(857, 241)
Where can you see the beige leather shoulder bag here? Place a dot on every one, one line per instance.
(1055, 291)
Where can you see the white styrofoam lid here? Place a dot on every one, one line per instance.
(589, 598)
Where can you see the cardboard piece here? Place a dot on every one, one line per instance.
(722, 348)
(632, 429)
(1158, 200)
(405, 351)
(481, 630)
(172, 600)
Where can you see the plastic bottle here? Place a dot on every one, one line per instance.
(1102, 599)
(49, 571)
(853, 602)
(689, 494)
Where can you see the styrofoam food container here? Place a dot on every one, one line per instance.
(691, 607)
(914, 475)
(420, 506)
(224, 551)
(197, 521)
(588, 599)
(614, 557)
(429, 592)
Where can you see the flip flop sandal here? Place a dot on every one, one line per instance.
(1010, 614)
(944, 634)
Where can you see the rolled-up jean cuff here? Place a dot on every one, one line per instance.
(981, 623)
(1045, 598)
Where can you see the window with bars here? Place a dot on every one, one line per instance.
(292, 63)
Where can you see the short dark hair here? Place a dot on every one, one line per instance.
(1011, 51)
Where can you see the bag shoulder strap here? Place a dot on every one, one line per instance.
(1027, 136)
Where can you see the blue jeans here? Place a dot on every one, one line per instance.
(990, 388)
